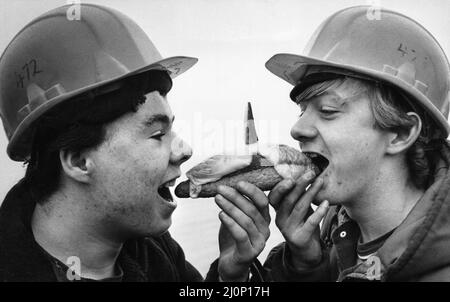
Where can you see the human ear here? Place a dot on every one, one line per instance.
(400, 141)
(76, 165)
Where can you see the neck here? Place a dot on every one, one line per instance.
(384, 206)
(65, 228)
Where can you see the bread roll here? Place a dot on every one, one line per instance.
(265, 170)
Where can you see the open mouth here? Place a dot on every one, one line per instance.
(320, 161)
(164, 190)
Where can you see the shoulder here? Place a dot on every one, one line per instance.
(158, 246)
(165, 242)
(162, 259)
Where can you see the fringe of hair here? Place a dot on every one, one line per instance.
(389, 108)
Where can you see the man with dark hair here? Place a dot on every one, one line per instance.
(86, 109)
(374, 100)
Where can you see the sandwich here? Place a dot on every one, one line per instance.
(265, 168)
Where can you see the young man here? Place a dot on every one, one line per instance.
(83, 103)
(374, 99)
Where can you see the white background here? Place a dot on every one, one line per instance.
(233, 39)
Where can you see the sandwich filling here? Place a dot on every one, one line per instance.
(213, 169)
(287, 161)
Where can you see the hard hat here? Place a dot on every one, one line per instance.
(54, 58)
(390, 48)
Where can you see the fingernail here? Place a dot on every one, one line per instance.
(289, 183)
(218, 198)
(309, 175)
(325, 204)
(222, 215)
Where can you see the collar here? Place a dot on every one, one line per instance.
(407, 251)
(21, 258)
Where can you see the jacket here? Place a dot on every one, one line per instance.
(418, 249)
(22, 259)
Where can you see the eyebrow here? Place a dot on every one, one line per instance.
(310, 96)
(158, 118)
(336, 98)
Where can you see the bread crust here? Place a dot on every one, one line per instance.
(264, 177)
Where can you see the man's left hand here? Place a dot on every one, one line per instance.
(244, 230)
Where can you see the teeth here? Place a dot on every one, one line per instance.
(311, 155)
(169, 184)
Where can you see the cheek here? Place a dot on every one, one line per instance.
(355, 161)
(355, 138)
(125, 164)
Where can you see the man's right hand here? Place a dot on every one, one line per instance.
(300, 230)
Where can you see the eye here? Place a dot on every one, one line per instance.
(158, 135)
(327, 110)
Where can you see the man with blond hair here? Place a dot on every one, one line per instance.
(373, 99)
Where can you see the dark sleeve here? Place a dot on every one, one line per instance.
(187, 272)
(213, 274)
(161, 259)
(256, 272)
(278, 267)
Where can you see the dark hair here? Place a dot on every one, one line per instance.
(79, 124)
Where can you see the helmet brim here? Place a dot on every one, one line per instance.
(292, 68)
(18, 149)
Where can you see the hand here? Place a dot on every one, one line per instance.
(244, 230)
(298, 223)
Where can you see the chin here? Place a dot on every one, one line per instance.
(160, 229)
(325, 195)
(321, 196)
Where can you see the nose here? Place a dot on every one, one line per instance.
(180, 151)
(304, 129)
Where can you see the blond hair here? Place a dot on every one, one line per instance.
(389, 107)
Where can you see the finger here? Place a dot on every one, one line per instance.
(286, 206)
(245, 206)
(257, 196)
(244, 221)
(236, 232)
(313, 221)
(302, 207)
(301, 184)
(279, 191)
